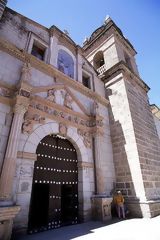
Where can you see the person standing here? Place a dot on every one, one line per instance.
(119, 203)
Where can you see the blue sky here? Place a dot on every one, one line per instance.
(139, 21)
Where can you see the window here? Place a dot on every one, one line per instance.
(38, 51)
(65, 63)
(86, 81)
(37, 47)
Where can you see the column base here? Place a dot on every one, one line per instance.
(6, 221)
(101, 208)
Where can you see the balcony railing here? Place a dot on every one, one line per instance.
(101, 70)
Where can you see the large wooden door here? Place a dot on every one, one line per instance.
(54, 199)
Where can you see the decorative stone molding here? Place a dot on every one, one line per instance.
(7, 213)
(86, 137)
(50, 70)
(30, 120)
(62, 129)
(47, 109)
(27, 155)
(121, 67)
(85, 165)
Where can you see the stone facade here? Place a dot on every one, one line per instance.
(48, 86)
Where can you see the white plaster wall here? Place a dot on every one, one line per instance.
(40, 79)
(157, 123)
(22, 188)
(15, 28)
(5, 122)
(10, 68)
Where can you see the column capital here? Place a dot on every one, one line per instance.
(21, 105)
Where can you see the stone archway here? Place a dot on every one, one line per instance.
(54, 198)
(29, 148)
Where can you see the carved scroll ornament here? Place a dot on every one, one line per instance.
(30, 120)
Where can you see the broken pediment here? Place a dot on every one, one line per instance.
(59, 94)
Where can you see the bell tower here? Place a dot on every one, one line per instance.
(136, 146)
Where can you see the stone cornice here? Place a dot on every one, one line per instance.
(121, 67)
(155, 111)
(50, 70)
(7, 213)
(7, 101)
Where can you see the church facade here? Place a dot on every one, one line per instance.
(75, 125)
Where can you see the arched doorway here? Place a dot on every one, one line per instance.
(54, 199)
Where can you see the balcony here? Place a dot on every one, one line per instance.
(101, 70)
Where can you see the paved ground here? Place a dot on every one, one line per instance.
(131, 229)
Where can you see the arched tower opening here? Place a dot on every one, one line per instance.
(98, 60)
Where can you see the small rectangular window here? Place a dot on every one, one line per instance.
(38, 51)
(86, 81)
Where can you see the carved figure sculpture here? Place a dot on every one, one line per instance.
(68, 101)
(51, 95)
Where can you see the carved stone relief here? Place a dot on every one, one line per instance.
(62, 129)
(67, 100)
(86, 137)
(51, 95)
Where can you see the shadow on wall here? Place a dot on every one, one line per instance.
(124, 181)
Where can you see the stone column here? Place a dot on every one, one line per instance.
(9, 165)
(99, 167)
(101, 203)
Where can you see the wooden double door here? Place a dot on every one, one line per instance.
(54, 198)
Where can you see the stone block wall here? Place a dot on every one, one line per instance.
(147, 140)
(125, 155)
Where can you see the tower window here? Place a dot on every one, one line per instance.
(38, 51)
(98, 60)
